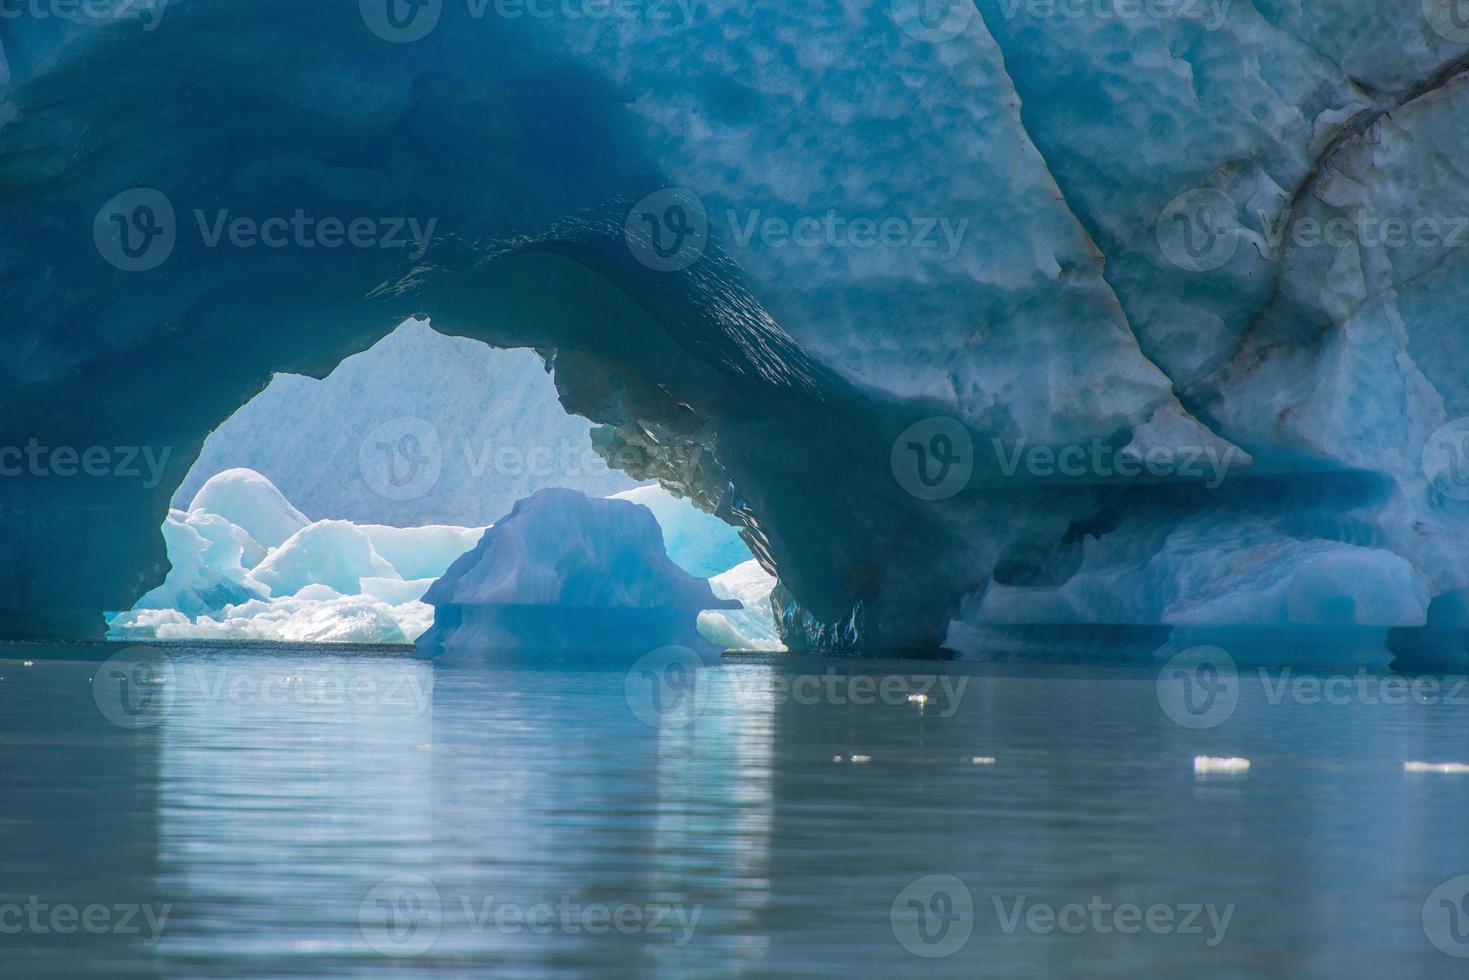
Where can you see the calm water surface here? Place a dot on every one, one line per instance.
(302, 812)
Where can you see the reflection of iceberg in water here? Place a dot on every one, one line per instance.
(291, 786)
(285, 805)
(714, 783)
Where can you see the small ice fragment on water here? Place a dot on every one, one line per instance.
(983, 760)
(1205, 763)
(1447, 768)
(861, 758)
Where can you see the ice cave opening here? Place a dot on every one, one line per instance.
(322, 511)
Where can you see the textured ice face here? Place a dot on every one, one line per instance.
(248, 500)
(1064, 237)
(482, 425)
(751, 627)
(567, 573)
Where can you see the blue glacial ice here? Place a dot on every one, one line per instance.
(567, 574)
(1237, 235)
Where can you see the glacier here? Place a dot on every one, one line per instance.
(945, 318)
(487, 420)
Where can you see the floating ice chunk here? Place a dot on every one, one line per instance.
(247, 499)
(333, 553)
(291, 619)
(567, 573)
(207, 554)
(1441, 768)
(699, 543)
(1206, 763)
(750, 628)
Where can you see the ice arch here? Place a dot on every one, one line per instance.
(772, 377)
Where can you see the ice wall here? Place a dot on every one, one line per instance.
(952, 316)
(484, 428)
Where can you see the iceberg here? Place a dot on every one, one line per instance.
(565, 574)
(751, 627)
(314, 615)
(210, 559)
(327, 582)
(336, 554)
(249, 501)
